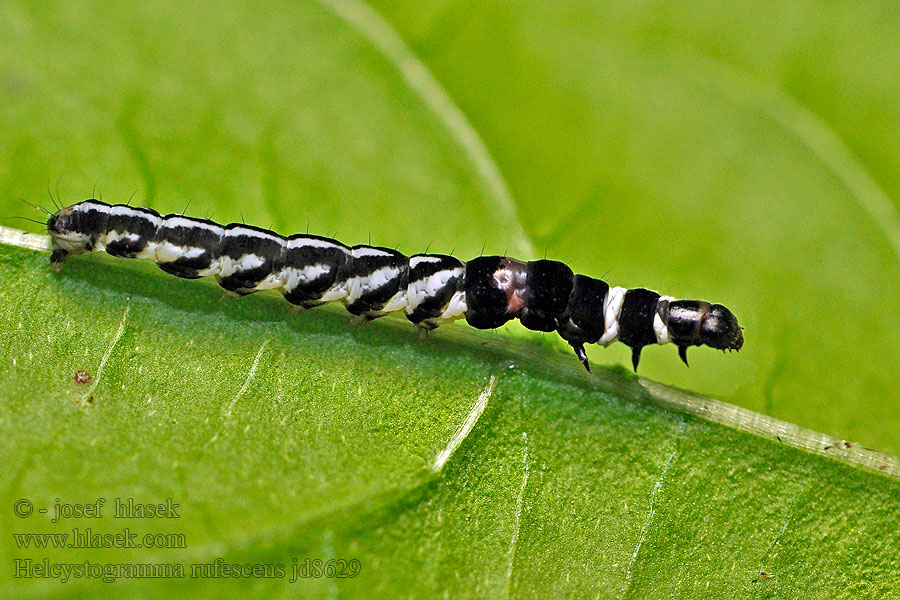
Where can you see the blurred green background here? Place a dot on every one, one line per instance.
(742, 153)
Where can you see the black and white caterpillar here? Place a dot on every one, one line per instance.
(431, 289)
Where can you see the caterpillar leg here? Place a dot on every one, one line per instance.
(581, 354)
(682, 354)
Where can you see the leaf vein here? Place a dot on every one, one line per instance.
(653, 494)
(383, 37)
(107, 354)
(466, 427)
(519, 501)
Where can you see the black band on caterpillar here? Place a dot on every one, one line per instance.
(431, 289)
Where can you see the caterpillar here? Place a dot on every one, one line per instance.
(371, 281)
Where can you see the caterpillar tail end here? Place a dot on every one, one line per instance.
(57, 256)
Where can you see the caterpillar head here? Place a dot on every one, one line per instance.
(720, 329)
(698, 323)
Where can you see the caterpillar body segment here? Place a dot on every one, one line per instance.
(371, 282)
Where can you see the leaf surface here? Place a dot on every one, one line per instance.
(469, 463)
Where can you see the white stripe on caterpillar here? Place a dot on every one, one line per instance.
(612, 307)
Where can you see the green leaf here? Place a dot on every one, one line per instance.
(468, 463)
(284, 436)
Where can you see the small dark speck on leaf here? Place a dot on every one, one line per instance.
(90, 400)
(82, 377)
(842, 445)
(763, 575)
